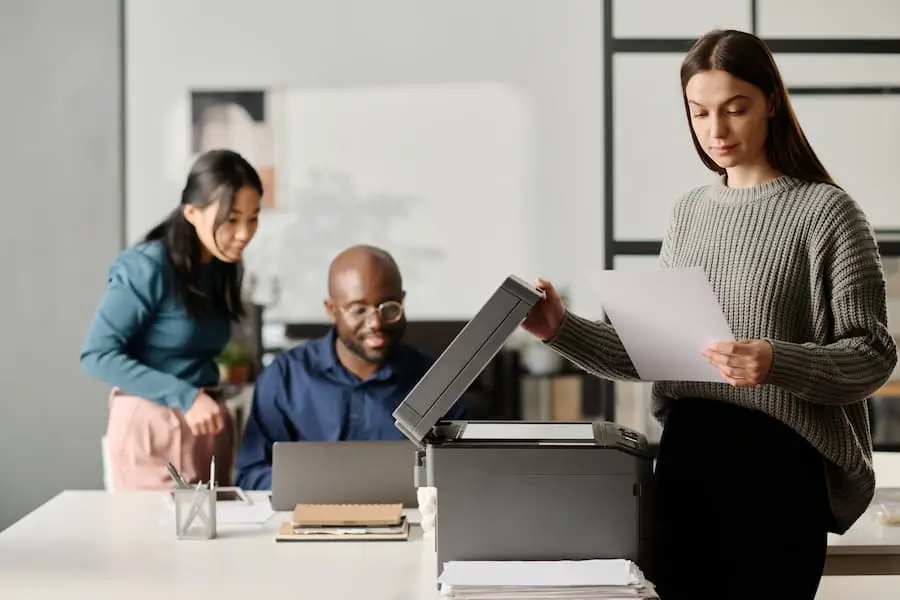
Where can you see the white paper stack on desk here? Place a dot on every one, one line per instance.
(520, 580)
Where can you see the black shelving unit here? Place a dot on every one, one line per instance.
(602, 394)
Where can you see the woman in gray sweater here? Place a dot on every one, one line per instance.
(754, 471)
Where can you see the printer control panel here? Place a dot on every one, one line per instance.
(613, 434)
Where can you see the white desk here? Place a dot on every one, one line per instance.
(99, 545)
(867, 549)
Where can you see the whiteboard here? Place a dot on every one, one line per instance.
(856, 139)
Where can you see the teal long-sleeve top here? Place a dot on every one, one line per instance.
(142, 340)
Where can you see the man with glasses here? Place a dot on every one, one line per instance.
(345, 385)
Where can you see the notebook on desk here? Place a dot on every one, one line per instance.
(343, 473)
(344, 522)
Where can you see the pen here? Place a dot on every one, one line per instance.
(212, 490)
(176, 476)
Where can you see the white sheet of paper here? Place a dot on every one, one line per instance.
(231, 513)
(665, 318)
(535, 574)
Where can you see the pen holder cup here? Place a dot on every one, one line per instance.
(195, 513)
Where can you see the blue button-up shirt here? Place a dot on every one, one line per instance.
(306, 394)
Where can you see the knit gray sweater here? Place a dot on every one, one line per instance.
(794, 263)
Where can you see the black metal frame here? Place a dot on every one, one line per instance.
(888, 239)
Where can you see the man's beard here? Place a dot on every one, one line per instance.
(377, 356)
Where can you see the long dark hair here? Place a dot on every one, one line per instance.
(746, 57)
(216, 176)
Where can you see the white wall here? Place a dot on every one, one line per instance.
(536, 65)
(59, 162)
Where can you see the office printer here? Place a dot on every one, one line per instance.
(517, 490)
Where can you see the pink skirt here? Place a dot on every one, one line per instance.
(142, 436)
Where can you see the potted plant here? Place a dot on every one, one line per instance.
(235, 363)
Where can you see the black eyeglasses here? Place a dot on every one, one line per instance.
(390, 311)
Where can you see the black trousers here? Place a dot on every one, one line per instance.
(741, 507)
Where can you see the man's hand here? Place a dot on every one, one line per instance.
(742, 364)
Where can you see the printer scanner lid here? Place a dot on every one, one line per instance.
(465, 358)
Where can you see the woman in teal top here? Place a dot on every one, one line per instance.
(165, 317)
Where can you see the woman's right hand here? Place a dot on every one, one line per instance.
(204, 417)
(547, 315)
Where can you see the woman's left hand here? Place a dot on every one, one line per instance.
(742, 364)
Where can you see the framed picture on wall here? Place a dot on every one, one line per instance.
(241, 120)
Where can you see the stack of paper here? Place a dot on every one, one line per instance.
(520, 580)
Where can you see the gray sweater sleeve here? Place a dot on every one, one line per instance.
(863, 354)
(593, 346)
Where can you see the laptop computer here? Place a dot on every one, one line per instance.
(372, 472)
